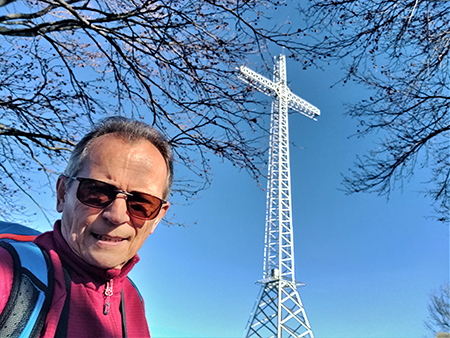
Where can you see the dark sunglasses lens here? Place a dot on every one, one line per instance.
(99, 195)
(95, 194)
(143, 206)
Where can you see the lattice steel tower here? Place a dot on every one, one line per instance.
(278, 311)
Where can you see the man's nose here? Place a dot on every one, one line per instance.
(117, 212)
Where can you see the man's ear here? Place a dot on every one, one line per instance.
(60, 193)
(161, 214)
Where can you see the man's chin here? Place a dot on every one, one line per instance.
(104, 261)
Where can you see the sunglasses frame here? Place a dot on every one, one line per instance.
(117, 191)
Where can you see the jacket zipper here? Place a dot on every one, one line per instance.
(108, 293)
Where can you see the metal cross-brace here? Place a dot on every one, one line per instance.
(278, 311)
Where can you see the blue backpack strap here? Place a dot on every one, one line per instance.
(16, 228)
(31, 293)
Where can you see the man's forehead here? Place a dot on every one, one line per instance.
(113, 145)
(105, 141)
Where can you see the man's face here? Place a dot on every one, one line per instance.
(110, 237)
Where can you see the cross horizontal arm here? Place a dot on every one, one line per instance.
(300, 105)
(258, 81)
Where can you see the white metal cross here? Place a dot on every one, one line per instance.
(278, 311)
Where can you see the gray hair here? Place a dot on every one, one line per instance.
(131, 131)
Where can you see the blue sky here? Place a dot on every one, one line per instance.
(369, 264)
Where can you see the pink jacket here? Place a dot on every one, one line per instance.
(95, 297)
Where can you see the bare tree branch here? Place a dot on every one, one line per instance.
(67, 63)
(439, 311)
(399, 51)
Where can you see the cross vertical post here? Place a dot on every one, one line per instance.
(278, 311)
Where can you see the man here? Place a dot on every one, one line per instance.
(112, 195)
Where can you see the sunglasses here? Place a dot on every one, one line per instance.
(98, 194)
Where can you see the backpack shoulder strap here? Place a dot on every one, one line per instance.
(31, 293)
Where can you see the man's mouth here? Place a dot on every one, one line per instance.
(106, 238)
